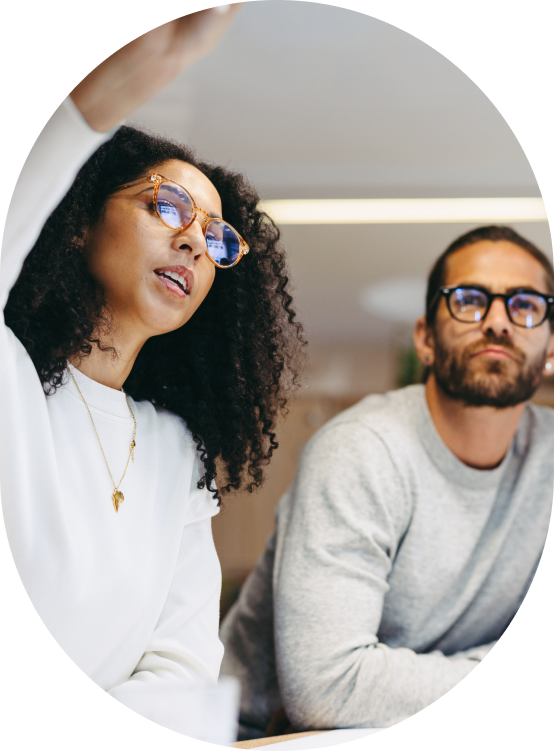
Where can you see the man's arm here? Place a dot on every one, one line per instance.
(337, 539)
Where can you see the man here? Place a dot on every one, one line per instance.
(414, 527)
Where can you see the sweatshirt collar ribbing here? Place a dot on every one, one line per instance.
(443, 458)
(98, 396)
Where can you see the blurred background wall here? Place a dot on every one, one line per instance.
(312, 101)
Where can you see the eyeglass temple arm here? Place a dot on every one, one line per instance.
(150, 179)
(434, 299)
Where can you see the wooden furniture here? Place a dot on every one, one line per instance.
(257, 742)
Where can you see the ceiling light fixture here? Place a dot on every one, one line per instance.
(404, 210)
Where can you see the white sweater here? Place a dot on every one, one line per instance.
(132, 597)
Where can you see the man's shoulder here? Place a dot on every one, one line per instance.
(386, 421)
(541, 423)
(543, 414)
(382, 413)
(362, 462)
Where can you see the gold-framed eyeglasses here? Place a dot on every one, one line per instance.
(176, 209)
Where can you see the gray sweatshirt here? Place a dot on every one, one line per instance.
(393, 569)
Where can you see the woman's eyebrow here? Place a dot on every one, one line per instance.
(212, 215)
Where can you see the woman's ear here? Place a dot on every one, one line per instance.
(424, 342)
(81, 240)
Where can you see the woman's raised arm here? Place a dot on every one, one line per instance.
(110, 93)
(133, 74)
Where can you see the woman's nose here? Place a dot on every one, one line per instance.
(191, 240)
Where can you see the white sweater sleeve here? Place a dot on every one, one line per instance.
(64, 145)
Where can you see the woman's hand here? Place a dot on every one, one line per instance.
(133, 74)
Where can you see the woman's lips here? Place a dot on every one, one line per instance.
(176, 279)
(172, 286)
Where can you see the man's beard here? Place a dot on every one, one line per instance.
(491, 384)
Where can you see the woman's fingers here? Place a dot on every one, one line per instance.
(198, 33)
(133, 74)
(182, 41)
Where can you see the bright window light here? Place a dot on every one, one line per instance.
(405, 210)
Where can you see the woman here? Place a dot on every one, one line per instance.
(156, 274)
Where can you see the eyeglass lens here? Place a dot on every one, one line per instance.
(176, 210)
(174, 205)
(470, 305)
(223, 243)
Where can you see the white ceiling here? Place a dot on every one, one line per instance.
(312, 101)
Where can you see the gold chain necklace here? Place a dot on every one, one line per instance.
(117, 495)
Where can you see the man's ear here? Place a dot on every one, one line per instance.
(548, 367)
(424, 342)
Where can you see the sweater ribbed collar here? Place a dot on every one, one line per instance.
(98, 396)
(443, 458)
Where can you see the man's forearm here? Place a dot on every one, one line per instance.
(372, 687)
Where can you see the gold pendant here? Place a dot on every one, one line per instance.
(117, 498)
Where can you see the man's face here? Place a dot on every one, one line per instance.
(491, 362)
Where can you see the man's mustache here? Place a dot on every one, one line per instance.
(490, 338)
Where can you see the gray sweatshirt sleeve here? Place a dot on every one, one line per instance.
(338, 536)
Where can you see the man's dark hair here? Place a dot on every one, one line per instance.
(227, 370)
(493, 233)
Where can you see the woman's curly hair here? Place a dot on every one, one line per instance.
(227, 370)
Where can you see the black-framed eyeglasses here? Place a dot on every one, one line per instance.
(470, 304)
